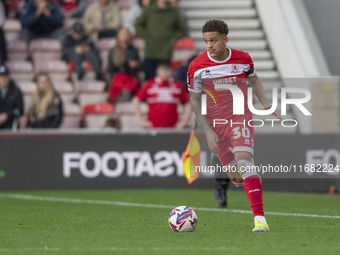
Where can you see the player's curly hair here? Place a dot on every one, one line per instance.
(215, 26)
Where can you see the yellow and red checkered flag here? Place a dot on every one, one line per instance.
(191, 158)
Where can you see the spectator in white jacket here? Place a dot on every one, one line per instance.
(135, 11)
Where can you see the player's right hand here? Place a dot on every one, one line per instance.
(212, 140)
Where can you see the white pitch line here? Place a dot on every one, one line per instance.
(102, 202)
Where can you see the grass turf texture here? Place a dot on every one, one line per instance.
(42, 227)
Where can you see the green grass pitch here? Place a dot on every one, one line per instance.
(90, 226)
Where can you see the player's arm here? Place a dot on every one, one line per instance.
(257, 86)
(212, 138)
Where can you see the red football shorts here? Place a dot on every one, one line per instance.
(235, 136)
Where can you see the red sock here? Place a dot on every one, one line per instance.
(253, 189)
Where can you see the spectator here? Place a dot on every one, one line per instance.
(46, 110)
(163, 94)
(182, 72)
(111, 124)
(3, 48)
(73, 8)
(79, 47)
(11, 103)
(41, 18)
(135, 11)
(175, 4)
(123, 68)
(101, 19)
(5, 8)
(160, 26)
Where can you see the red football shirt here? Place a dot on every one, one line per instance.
(163, 98)
(205, 74)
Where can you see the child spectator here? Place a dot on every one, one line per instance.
(79, 47)
(123, 67)
(135, 11)
(162, 94)
(101, 19)
(41, 19)
(46, 110)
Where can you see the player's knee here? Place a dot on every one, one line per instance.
(238, 182)
(246, 169)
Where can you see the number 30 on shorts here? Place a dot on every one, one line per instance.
(244, 132)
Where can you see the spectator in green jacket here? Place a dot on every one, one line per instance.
(160, 25)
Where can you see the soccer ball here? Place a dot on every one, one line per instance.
(182, 219)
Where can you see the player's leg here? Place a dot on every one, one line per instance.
(242, 139)
(253, 189)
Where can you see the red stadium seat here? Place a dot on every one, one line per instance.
(185, 43)
(183, 50)
(98, 108)
(95, 115)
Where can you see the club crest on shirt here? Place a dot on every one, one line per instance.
(235, 68)
(207, 72)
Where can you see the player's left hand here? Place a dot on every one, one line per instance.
(212, 140)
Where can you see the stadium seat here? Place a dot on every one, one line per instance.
(126, 108)
(22, 122)
(104, 46)
(87, 67)
(63, 87)
(70, 121)
(183, 50)
(41, 56)
(90, 86)
(56, 68)
(72, 116)
(90, 98)
(139, 43)
(221, 14)
(27, 102)
(27, 87)
(66, 91)
(42, 46)
(12, 28)
(129, 123)
(69, 22)
(21, 70)
(123, 4)
(17, 50)
(95, 115)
